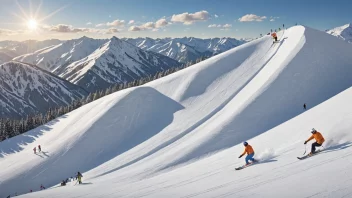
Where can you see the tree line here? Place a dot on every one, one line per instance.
(13, 127)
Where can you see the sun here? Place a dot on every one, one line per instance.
(32, 24)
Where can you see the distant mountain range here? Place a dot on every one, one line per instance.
(17, 48)
(115, 62)
(26, 89)
(186, 49)
(343, 32)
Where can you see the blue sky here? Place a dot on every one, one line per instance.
(67, 19)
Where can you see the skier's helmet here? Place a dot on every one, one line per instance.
(245, 143)
(313, 130)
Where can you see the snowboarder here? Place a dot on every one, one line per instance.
(318, 138)
(274, 36)
(79, 177)
(35, 150)
(39, 148)
(250, 153)
(305, 106)
(63, 183)
(42, 187)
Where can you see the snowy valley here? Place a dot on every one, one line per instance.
(181, 135)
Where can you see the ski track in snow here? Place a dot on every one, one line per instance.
(181, 135)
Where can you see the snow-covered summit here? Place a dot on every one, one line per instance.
(343, 32)
(116, 61)
(58, 56)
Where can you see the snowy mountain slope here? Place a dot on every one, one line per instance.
(344, 32)
(114, 62)
(59, 56)
(24, 47)
(186, 49)
(180, 136)
(26, 89)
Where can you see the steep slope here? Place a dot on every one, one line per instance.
(24, 47)
(26, 89)
(180, 136)
(344, 32)
(59, 56)
(115, 62)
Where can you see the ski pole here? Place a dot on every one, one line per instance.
(305, 149)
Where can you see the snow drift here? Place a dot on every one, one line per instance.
(180, 136)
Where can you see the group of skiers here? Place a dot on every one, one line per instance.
(78, 177)
(315, 135)
(39, 149)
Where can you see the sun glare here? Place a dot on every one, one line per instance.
(32, 24)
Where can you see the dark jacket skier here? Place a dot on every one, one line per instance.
(79, 177)
(39, 148)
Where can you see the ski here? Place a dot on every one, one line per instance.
(308, 156)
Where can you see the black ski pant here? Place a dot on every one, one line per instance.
(315, 144)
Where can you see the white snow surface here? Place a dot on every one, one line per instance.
(181, 135)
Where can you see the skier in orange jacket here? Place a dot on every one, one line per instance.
(250, 153)
(318, 138)
(274, 36)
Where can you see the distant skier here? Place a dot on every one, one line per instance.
(250, 153)
(35, 150)
(79, 177)
(63, 183)
(274, 36)
(42, 187)
(318, 138)
(304, 106)
(39, 148)
(283, 26)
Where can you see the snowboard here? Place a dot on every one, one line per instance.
(245, 166)
(308, 156)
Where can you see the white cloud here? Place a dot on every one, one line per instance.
(273, 18)
(63, 28)
(190, 18)
(251, 17)
(111, 31)
(220, 26)
(100, 24)
(116, 23)
(89, 23)
(134, 29)
(161, 23)
(149, 25)
(9, 32)
(216, 16)
(131, 22)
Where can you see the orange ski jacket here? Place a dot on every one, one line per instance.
(318, 137)
(273, 35)
(248, 149)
